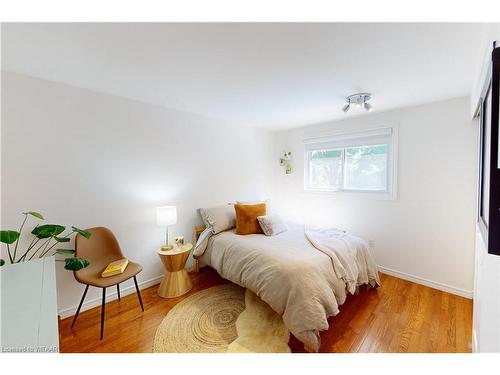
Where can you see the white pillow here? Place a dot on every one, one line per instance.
(220, 218)
(272, 224)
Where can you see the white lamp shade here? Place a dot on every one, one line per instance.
(166, 215)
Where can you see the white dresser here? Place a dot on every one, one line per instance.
(29, 307)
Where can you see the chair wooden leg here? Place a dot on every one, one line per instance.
(79, 306)
(102, 311)
(138, 293)
(118, 290)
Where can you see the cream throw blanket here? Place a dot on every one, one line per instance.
(350, 255)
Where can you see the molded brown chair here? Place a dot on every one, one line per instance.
(101, 249)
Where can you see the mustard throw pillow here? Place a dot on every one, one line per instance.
(246, 218)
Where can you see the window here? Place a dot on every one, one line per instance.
(357, 162)
(489, 158)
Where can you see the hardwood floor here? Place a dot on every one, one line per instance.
(400, 316)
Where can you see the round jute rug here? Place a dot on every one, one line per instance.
(202, 323)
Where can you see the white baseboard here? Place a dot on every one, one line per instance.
(427, 282)
(70, 311)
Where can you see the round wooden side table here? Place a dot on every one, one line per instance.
(176, 281)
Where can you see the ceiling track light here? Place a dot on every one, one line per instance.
(359, 100)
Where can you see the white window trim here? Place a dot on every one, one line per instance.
(392, 162)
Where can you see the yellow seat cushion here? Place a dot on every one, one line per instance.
(246, 218)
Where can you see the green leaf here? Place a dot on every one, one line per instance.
(65, 251)
(2, 262)
(9, 236)
(76, 264)
(48, 230)
(38, 215)
(62, 239)
(82, 232)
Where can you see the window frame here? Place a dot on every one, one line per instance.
(490, 230)
(354, 139)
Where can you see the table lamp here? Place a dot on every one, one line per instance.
(165, 216)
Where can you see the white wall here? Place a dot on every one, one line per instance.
(486, 310)
(87, 159)
(427, 233)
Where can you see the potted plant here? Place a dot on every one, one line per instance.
(45, 242)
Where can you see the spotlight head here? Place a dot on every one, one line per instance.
(368, 107)
(346, 107)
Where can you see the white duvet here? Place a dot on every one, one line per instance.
(302, 274)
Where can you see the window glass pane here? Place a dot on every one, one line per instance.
(366, 167)
(325, 169)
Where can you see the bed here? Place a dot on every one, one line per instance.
(303, 274)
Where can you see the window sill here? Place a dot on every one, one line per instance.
(382, 195)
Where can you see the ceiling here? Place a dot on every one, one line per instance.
(275, 75)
